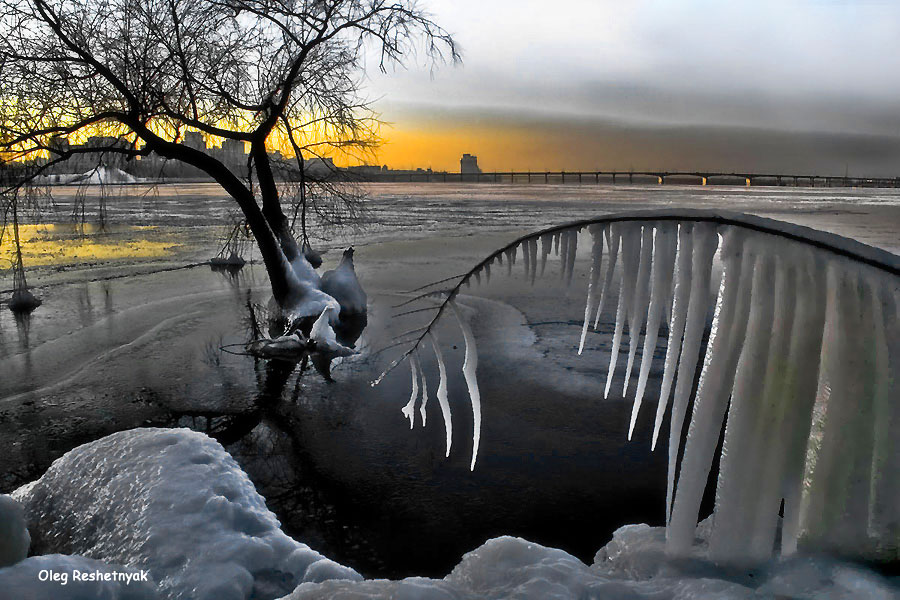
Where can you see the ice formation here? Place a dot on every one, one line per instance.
(632, 566)
(174, 503)
(798, 365)
(470, 365)
(442, 391)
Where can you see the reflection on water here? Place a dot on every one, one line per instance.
(62, 244)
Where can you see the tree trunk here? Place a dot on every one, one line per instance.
(271, 244)
(271, 202)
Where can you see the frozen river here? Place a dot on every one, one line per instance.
(121, 342)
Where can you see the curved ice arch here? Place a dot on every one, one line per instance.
(799, 370)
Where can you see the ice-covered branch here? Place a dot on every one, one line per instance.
(799, 369)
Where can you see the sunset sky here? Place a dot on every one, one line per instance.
(759, 85)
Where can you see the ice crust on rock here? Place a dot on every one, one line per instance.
(173, 502)
(22, 581)
(796, 335)
(14, 537)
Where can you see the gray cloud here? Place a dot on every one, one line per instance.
(791, 65)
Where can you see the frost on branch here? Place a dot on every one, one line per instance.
(800, 369)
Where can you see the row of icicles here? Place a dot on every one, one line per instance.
(800, 366)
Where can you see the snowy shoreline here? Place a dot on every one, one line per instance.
(174, 503)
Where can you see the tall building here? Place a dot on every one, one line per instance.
(194, 139)
(468, 165)
(233, 151)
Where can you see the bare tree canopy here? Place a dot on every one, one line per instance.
(143, 73)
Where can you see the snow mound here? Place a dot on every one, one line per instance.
(25, 577)
(513, 568)
(173, 502)
(633, 566)
(14, 538)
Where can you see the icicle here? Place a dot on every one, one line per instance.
(509, 261)
(546, 243)
(487, 273)
(526, 255)
(630, 249)
(556, 237)
(704, 244)
(532, 252)
(478, 277)
(564, 246)
(571, 254)
(442, 390)
(470, 365)
(612, 242)
(740, 458)
(884, 511)
(806, 347)
(836, 508)
(676, 322)
(661, 277)
(640, 302)
(409, 411)
(769, 434)
(596, 258)
(716, 379)
(424, 395)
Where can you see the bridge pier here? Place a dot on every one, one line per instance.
(614, 179)
(631, 178)
(546, 177)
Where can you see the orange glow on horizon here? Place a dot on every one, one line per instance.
(425, 145)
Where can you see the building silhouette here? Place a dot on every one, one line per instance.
(468, 165)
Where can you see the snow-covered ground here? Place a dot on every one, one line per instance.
(173, 504)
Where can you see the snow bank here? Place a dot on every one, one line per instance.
(173, 502)
(631, 567)
(14, 538)
(31, 579)
(513, 568)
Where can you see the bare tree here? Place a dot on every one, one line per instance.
(259, 73)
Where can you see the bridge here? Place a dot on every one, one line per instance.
(633, 177)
